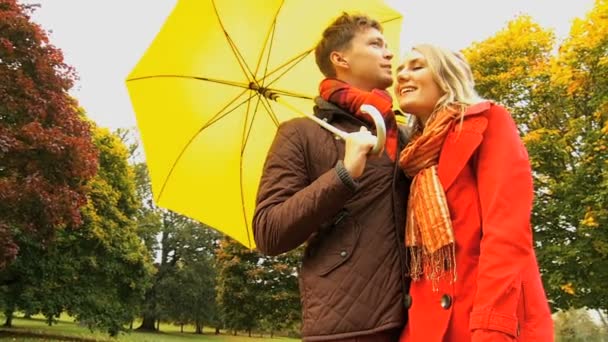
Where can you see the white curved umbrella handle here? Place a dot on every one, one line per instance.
(380, 126)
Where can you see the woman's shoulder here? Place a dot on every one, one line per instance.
(481, 115)
(479, 107)
(496, 118)
(489, 108)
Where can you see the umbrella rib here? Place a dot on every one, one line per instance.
(295, 62)
(244, 139)
(244, 133)
(235, 50)
(291, 94)
(212, 121)
(289, 63)
(297, 59)
(391, 19)
(218, 117)
(269, 37)
(234, 84)
(271, 113)
(255, 111)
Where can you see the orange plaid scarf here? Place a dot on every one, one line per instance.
(350, 98)
(429, 235)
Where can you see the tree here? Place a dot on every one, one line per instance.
(576, 325)
(151, 222)
(187, 292)
(114, 266)
(560, 103)
(46, 151)
(164, 253)
(98, 272)
(280, 295)
(570, 158)
(511, 68)
(238, 286)
(256, 292)
(19, 281)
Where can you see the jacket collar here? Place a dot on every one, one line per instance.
(461, 143)
(478, 108)
(329, 112)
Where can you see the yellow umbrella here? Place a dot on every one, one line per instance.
(214, 85)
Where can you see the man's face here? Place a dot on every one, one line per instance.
(369, 61)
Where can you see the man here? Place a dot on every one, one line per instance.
(348, 207)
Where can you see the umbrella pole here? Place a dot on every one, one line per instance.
(368, 109)
(322, 123)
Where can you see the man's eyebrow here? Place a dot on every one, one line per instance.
(379, 39)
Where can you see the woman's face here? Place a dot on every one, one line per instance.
(416, 90)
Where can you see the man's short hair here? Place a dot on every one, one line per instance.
(338, 36)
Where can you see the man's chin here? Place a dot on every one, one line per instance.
(386, 83)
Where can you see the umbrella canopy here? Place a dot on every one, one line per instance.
(206, 93)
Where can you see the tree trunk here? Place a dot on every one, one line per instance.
(148, 323)
(158, 325)
(113, 332)
(199, 327)
(9, 319)
(49, 321)
(602, 318)
(234, 332)
(217, 330)
(181, 327)
(271, 333)
(249, 332)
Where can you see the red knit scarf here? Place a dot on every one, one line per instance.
(350, 99)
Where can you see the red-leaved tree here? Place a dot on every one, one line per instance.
(46, 151)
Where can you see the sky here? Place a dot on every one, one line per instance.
(104, 40)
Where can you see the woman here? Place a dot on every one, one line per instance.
(474, 272)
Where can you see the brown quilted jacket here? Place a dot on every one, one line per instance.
(352, 277)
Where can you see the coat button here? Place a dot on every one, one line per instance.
(343, 254)
(446, 301)
(407, 301)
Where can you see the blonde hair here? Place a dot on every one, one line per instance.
(453, 75)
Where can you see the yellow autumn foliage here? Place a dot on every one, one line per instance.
(568, 288)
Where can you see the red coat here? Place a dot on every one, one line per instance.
(498, 294)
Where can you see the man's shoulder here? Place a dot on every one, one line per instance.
(296, 122)
(301, 126)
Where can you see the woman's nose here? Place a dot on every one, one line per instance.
(403, 75)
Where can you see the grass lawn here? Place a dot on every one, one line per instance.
(36, 330)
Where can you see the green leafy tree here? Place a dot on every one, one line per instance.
(98, 272)
(166, 261)
(188, 291)
(281, 309)
(239, 286)
(113, 260)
